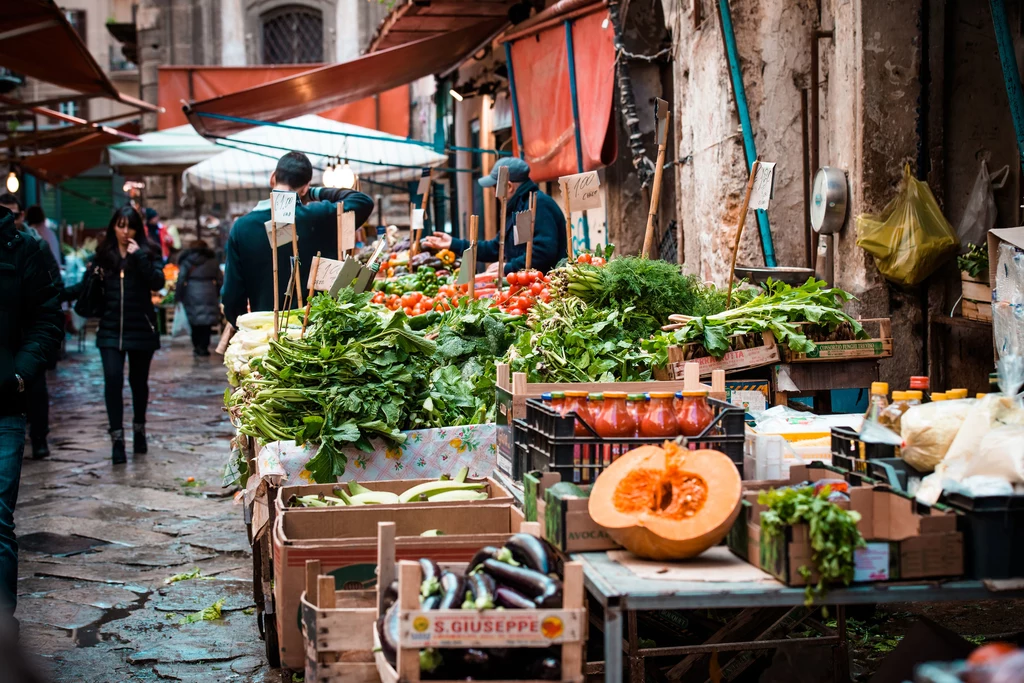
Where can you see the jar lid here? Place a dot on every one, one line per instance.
(636, 397)
(545, 397)
(914, 395)
(880, 388)
(557, 394)
(696, 393)
(919, 382)
(661, 394)
(981, 395)
(899, 396)
(615, 394)
(956, 393)
(575, 394)
(595, 397)
(939, 396)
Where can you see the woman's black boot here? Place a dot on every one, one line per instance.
(139, 446)
(117, 453)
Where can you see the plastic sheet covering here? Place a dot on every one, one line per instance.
(541, 69)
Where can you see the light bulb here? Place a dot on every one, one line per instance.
(455, 94)
(13, 184)
(346, 177)
(328, 180)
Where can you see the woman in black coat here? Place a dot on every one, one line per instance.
(198, 289)
(131, 271)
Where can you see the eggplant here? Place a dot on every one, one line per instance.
(541, 588)
(430, 602)
(387, 629)
(534, 553)
(547, 669)
(507, 597)
(481, 591)
(453, 591)
(390, 596)
(431, 581)
(487, 552)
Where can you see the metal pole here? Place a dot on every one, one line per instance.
(1008, 58)
(749, 147)
(576, 118)
(515, 101)
(612, 644)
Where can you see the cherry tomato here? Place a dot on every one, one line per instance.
(545, 296)
(583, 258)
(426, 303)
(408, 311)
(513, 279)
(536, 288)
(515, 311)
(597, 261)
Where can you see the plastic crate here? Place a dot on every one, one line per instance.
(853, 455)
(993, 528)
(552, 445)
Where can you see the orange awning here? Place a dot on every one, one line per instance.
(74, 158)
(36, 40)
(334, 85)
(420, 19)
(387, 112)
(541, 69)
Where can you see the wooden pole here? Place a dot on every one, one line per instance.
(414, 235)
(568, 223)
(501, 240)
(273, 249)
(656, 190)
(739, 229)
(309, 299)
(474, 224)
(529, 242)
(341, 209)
(296, 268)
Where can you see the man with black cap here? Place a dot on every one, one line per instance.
(549, 246)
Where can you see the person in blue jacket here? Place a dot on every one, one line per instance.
(549, 246)
(248, 268)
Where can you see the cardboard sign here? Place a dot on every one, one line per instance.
(284, 233)
(346, 276)
(490, 628)
(348, 231)
(501, 189)
(424, 185)
(283, 209)
(326, 274)
(523, 229)
(584, 190)
(764, 185)
(417, 221)
(468, 269)
(661, 112)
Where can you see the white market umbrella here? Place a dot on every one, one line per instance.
(167, 151)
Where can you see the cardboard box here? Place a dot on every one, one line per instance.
(344, 540)
(566, 521)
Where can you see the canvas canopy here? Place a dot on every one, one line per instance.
(162, 152)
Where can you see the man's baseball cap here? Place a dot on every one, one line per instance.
(518, 171)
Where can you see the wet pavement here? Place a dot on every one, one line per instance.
(99, 543)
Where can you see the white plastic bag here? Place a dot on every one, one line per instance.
(980, 214)
(929, 429)
(180, 328)
(1000, 454)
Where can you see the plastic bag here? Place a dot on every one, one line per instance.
(928, 430)
(980, 214)
(180, 328)
(911, 237)
(1000, 454)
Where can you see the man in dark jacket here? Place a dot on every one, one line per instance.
(549, 246)
(249, 270)
(30, 334)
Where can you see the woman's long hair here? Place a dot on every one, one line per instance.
(107, 253)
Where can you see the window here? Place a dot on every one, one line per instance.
(76, 17)
(292, 35)
(70, 108)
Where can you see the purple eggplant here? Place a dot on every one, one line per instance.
(481, 591)
(453, 591)
(541, 588)
(533, 553)
(390, 595)
(431, 602)
(387, 629)
(489, 552)
(431, 581)
(547, 669)
(507, 597)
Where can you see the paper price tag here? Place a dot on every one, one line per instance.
(348, 231)
(424, 185)
(284, 206)
(764, 185)
(501, 189)
(468, 268)
(417, 220)
(284, 233)
(326, 274)
(523, 229)
(346, 275)
(584, 190)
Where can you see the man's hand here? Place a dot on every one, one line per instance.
(492, 269)
(438, 241)
(133, 246)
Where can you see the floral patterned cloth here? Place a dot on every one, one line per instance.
(426, 454)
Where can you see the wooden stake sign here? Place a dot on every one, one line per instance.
(347, 238)
(309, 299)
(467, 272)
(580, 192)
(501, 192)
(414, 233)
(273, 249)
(524, 228)
(662, 114)
(296, 266)
(324, 273)
(739, 229)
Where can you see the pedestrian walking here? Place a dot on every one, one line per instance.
(118, 288)
(249, 271)
(30, 334)
(198, 289)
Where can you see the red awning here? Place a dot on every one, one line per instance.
(420, 19)
(36, 40)
(74, 158)
(387, 112)
(338, 84)
(541, 71)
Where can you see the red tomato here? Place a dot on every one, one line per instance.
(536, 288)
(408, 311)
(583, 258)
(513, 279)
(523, 302)
(515, 311)
(426, 303)
(597, 261)
(990, 652)
(545, 296)
(532, 275)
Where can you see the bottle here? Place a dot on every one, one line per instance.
(636, 404)
(693, 412)
(660, 419)
(993, 382)
(557, 401)
(939, 396)
(893, 413)
(915, 398)
(878, 401)
(615, 422)
(956, 394)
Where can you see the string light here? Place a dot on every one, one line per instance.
(328, 180)
(346, 177)
(13, 184)
(455, 94)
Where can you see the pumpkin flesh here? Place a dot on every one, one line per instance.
(667, 503)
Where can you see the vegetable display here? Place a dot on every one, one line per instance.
(439, 491)
(667, 503)
(975, 261)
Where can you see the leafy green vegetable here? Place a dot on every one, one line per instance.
(833, 532)
(196, 573)
(975, 261)
(211, 613)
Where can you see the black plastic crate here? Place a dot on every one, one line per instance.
(993, 528)
(552, 443)
(853, 455)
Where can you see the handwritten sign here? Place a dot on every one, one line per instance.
(584, 190)
(346, 275)
(764, 186)
(326, 274)
(523, 229)
(424, 185)
(348, 231)
(501, 189)
(283, 210)
(468, 269)
(417, 221)
(284, 233)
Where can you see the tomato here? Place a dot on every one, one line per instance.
(990, 652)
(532, 275)
(513, 279)
(545, 296)
(597, 261)
(408, 311)
(523, 302)
(426, 303)
(536, 288)
(515, 311)
(583, 258)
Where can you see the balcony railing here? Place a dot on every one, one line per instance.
(118, 62)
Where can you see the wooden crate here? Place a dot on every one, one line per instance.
(976, 301)
(879, 346)
(338, 630)
(741, 359)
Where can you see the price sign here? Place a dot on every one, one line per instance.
(424, 185)
(501, 189)
(283, 210)
(284, 233)
(584, 190)
(417, 221)
(764, 185)
(348, 231)
(346, 275)
(523, 229)
(468, 269)
(326, 274)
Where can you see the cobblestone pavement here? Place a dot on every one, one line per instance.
(98, 543)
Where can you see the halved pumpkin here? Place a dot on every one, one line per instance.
(667, 503)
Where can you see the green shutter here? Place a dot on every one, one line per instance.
(76, 205)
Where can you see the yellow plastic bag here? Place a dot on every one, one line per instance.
(911, 237)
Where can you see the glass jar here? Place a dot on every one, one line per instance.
(614, 422)
(557, 401)
(660, 419)
(693, 412)
(636, 404)
(576, 402)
